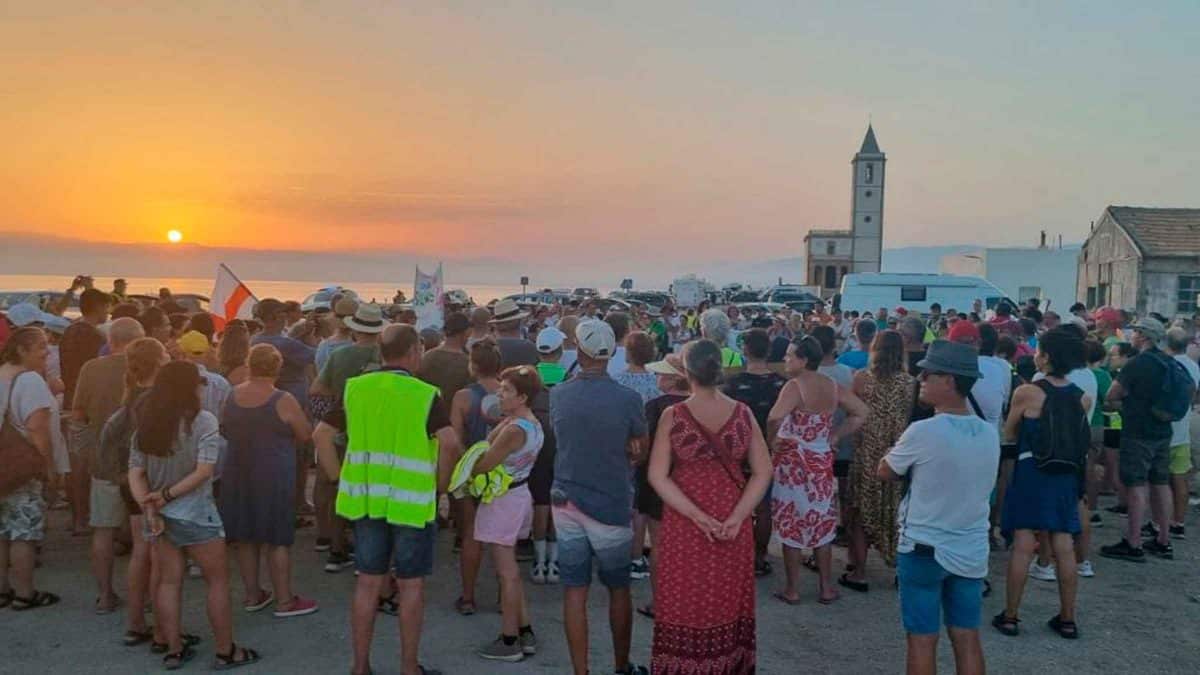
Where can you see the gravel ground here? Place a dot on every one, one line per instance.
(1133, 618)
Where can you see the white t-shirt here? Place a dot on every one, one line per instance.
(1181, 430)
(30, 395)
(992, 391)
(951, 461)
(838, 372)
(1085, 379)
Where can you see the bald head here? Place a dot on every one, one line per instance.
(480, 316)
(399, 345)
(123, 331)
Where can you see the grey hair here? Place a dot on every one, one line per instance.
(123, 331)
(912, 328)
(715, 325)
(1177, 340)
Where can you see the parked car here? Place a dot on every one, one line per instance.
(323, 298)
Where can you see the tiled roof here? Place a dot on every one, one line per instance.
(1160, 232)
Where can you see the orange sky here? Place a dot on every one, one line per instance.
(556, 129)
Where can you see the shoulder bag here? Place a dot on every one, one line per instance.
(21, 460)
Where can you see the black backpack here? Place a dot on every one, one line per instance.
(1064, 434)
(1178, 389)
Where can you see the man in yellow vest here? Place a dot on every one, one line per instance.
(400, 451)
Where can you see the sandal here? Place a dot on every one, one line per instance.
(6, 598)
(846, 582)
(227, 661)
(101, 610)
(178, 659)
(464, 608)
(646, 611)
(40, 599)
(188, 640)
(779, 595)
(134, 638)
(1065, 629)
(1006, 624)
(388, 605)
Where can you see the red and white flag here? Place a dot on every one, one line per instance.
(231, 299)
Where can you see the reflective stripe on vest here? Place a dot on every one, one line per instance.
(390, 470)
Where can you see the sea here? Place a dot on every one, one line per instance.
(261, 288)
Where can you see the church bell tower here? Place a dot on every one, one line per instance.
(866, 211)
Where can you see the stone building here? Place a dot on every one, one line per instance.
(831, 254)
(1143, 260)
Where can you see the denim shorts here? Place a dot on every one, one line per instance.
(928, 593)
(580, 538)
(183, 533)
(380, 546)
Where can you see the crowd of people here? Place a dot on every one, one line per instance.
(651, 443)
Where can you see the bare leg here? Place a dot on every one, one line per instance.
(858, 549)
(652, 526)
(1179, 491)
(472, 553)
(576, 623)
(103, 558)
(1068, 579)
(1163, 508)
(362, 617)
(4, 585)
(167, 598)
(138, 577)
(1083, 543)
(1002, 481)
(512, 593)
(762, 531)
(412, 615)
(324, 496)
(791, 567)
(541, 522)
(638, 548)
(620, 620)
(1138, 496)
(968, 652)
(1044, 548)
(828, 592)
(79, 486)
(922, 654)
(279, 560)
(22, 557)
(247, 554)
(1018, 571)
(211, 558)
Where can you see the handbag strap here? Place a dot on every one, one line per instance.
(12, 386)
(720, 449)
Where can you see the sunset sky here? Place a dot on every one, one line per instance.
(666, 130)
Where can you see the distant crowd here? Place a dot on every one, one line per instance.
(657, 443)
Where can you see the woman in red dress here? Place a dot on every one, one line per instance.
(704, 579)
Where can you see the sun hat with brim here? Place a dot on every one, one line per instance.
(664, 367)
(194, 343)
(1151, 327)
(952, 358)
(368, 318)
(507, 310)
(25, 314)
(596, 339)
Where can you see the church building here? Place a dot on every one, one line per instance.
(832, 254)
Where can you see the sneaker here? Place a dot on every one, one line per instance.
(1123, 551)
(1118, 509)
(1177, 532)
(640, 569)
(633, 670)
(528, 642)
(1149, 531)
(1040, 573)
(300, 607)
(336, 562)
(496, 650)
(1164, 551)
(539, 574)
(1097, 520)
(552, 573)
(1085, 569)
(323, 544)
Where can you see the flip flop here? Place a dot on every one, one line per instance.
(267, 597)
(828, 601)
(779, 595)
(178, 659)
(108, 610)
(188, 640)
(859, 586)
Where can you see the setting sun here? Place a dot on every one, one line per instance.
(174, 236)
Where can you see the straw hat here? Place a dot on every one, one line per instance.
(368, 318)
(507, 310)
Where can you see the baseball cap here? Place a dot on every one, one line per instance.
(1109, 315)
(194, 343)
(596, 339)
(964, 331)
(1151, 327)
(902, 311)
(25, 313)
(550, 340)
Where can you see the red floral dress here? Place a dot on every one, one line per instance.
(704, 590)
(804, 492)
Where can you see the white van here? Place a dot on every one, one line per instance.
(916, 292)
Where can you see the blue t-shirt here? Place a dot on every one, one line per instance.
(593, 419)
(296, 358)
(855, 359)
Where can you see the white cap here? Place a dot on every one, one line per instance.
(596, 339)
(550, 340)
(25, 313)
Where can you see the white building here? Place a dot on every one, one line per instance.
(832, 254)
(1045, 273)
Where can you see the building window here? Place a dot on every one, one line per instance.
(1189, 288)
(870, 173)
(816, 278)
(912, 294)
(1091, 297)
(831, 277)
(1101, 295)
(830, 248)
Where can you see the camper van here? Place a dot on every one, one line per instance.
(869, 292)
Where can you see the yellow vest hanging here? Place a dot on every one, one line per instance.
(390, 470)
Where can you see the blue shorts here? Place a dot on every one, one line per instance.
(580, 538)
(380, 546)
(928, 592)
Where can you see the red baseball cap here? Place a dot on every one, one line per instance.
(1110, 315)
(901, 311)
(964, 331)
